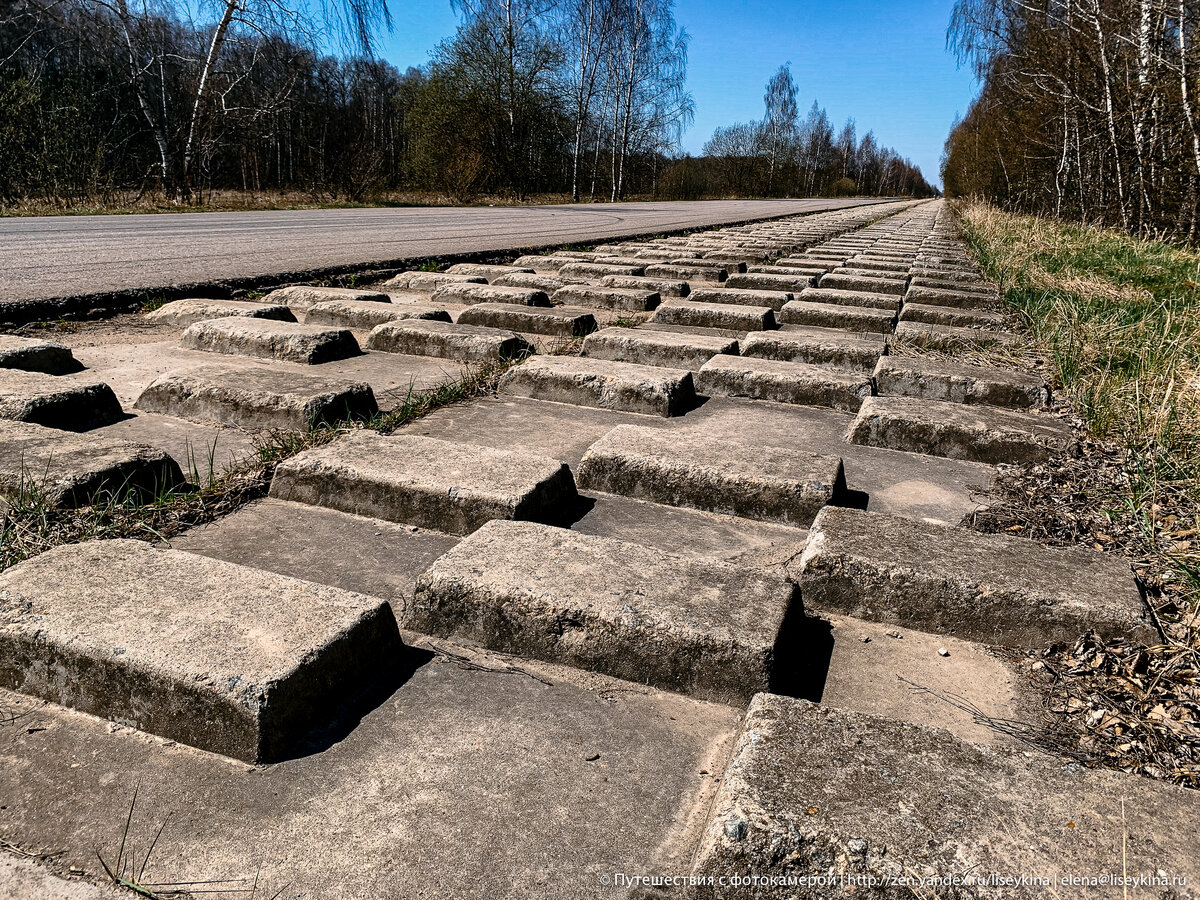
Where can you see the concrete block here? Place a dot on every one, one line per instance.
(602, 383)
(687, 467)
(977, 433)
(560, 321)
(830, 347)
(726, 316)
(835, 315)
(835, 280)
(657, 348)
(689, 273)
(792, 283)
(811, 272)
(996, 589)
(257, 398)
(773, 300)
(851, 298)
(300, 297)
(70, 470)
(949, 293)
(486, 271)
(35, 355)
(444, 340)
(538, 281)
(539, 264)
(185, 312)
(708, 629)
(950, 339)
(428, 282)
(590, 271)
(366, 314)
(660, 286)
(954, 382)
(586, 295)
(784, 382)
(269, 339)
(953, 316)
(222, 657)
(816, 797)
(471, 294)
(56, 402)
(443, 485)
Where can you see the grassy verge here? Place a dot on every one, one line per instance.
(1117, 321)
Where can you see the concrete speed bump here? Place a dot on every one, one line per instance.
(586, 295)
(726, 316)
(366, 314)
(470, 294)
(657, 348)
(816, 797)
(602, 383)
(257, 398)
(70, 470)
(830, 347)
(268, 339)
(791, 283)
(486, 271)
(783, 382)
(687, 467)
(977, 433)
(686, 272)
(185, 312)
(700, 627)
(34, 355)
(222, 657)
(662, 287)
(773, 300)
(558, 321)
(298, 298)
(67, 403)
(836, 315)
(851, 298)
(996, 589)
(428, 282)
(939, 379)
(443, 485)
(952, 315)
(446, 340)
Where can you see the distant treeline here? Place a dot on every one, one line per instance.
(102, 101)
(1088, 110)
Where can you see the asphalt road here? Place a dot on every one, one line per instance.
(78, 256)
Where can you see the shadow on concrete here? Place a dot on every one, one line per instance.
(803, 651)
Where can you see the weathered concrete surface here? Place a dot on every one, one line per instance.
(268, 339)
(950, 339)
(538, 281)
(586, 295)
(992, 588)
(819, 795)
(428, 282)
(470, 294)
(185, 312)
(421, 481)
(835, 315)
(850, 298)
(922, 291)
(977, 433)
(773, 300)
(591, 271)
(953, 316)
(628, 387)
(298, 298)
(727, 316)
(24, 879)
(784, 382)
(682, 272)
(488, 272)
(792, 283)
(939, 379)
(366, 314)
(835, 280)
(830, 347)
(469, 343)
(100, 627)
(657, 348)
(558, 321)
(56, 402)
(262, 398)
(662, 287)
(687, 467)
(34, 355)
(699, 627)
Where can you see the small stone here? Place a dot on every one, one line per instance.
(857, 846)
(893, 633)
(735, 829)
(942, 651)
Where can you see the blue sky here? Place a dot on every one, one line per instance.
(881, 61)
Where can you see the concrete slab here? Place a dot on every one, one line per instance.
(185, 312)
(202, 449)
(939, 379)
(773, 300)
(727, 316)
(540, 264)
(830, 347)
(34, 355)
(947, 580)
(24, 879)
(428, 282)
(922, 292)
(952, 339)
(99, 627)
(815, 797)
(467, 343)
(485, 271)
(627, 387)
(700, 627)
(836, 281)
(558, 321)
(470, 294)
(56, 402)
(657, 348)
(263, 398)
(791, 283)
(851, 298)
(631, 299)
(688, 467)
(429, 483)
(662, 287)
(592, 271)
(298, 298)
(365, 315)
(269, 339)
(976, 433)
(784, 382)
(689, 273)
(834, 315)
(952, 315)
(538, 281)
